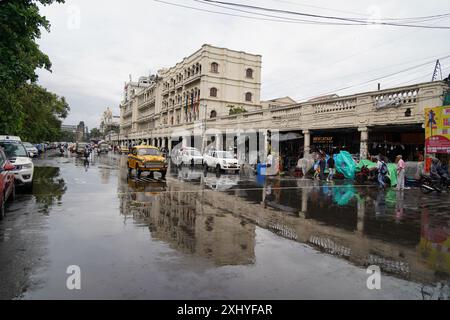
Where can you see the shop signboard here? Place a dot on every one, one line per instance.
(324, 140)
(437, 130)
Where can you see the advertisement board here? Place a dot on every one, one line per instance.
(437, 130)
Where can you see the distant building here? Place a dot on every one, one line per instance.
(82, 132)
(69, 128)
(109, 122)
(278, 102)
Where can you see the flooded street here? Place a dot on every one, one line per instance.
(198, 235)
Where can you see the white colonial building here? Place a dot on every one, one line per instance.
(190, 103)
(204, 85)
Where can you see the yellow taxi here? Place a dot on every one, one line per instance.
(146, 158)
(124, 149)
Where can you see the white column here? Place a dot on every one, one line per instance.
(364, 149)
(218, 138)
(307, 142)
(266, 144)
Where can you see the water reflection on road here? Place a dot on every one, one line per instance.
(405, 233)
(202, 235)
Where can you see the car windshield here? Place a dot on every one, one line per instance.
(28, 145)
(195, 153)
(148, 152)
(14, 150)
(225, 155)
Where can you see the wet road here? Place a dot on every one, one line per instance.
(218, 237)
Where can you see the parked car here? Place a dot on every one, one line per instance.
(146, 158)
(188, 156)
(18, 156)
(32, 150)
(7, 183)
(221, 161)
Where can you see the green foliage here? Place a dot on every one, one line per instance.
(20, 26)
(236, 110)
(95, 133)
(40, 114)
(26, 109)
(68, 136)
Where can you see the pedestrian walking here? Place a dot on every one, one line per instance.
(322, 165)
(331, 168)
(400, 173)
(316, 170)
(382, 171)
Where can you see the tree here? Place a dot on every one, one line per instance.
(44, 111)
(95, 133)
(20, 56)
(236, 110)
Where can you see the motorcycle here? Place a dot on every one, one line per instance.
(438, 185)
(366, 175)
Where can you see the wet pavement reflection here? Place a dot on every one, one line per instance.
(199, 235)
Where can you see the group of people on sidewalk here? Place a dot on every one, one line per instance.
(383, 171)
(322, 164)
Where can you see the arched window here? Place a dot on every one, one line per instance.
(214, 67)
(248, 96)
(213, 114)
(213, 92)
(249, 73)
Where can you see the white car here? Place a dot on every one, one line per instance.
(188, 156)
(18, 155)
(32, 150)
(221, 161)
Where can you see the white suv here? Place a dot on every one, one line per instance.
(18, 155)
(189, 156)
(221, 160)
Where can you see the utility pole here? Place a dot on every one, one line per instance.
(204, 141)
(436, 69)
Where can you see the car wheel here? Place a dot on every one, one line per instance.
(29, 188)
(138, 171)
(163, 174)
(218, 168)
(12, 196)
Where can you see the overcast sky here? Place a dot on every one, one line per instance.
(94, 46)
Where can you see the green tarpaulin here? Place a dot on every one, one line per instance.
(369, 164)
(392, 168)
(345, 164)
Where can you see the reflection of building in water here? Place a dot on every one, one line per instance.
(179, 218)
(339, 222)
